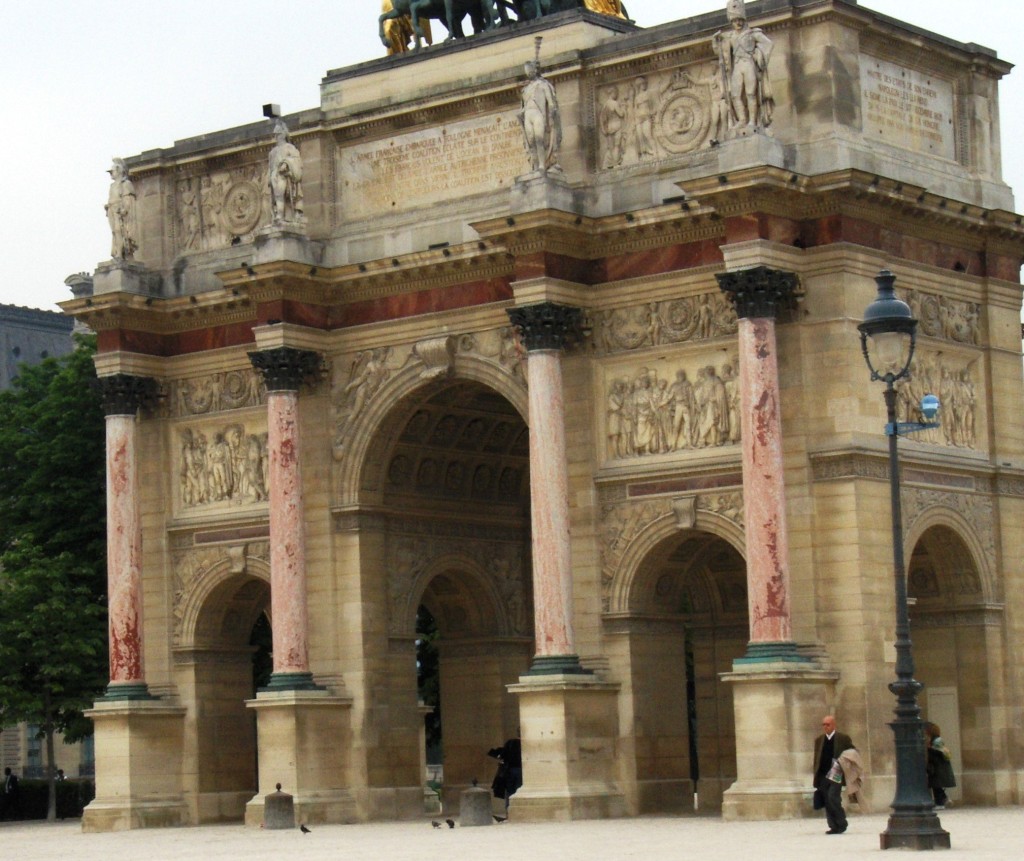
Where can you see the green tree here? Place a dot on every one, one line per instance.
(53, 640)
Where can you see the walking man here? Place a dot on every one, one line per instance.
(828, 775)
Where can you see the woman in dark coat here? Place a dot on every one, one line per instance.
(940, 769)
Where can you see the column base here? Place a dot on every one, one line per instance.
(291, 682)
(139, 748)
(770, 653)
(569, 725)
(557, 665)
(778, 706)
(119, 691)
(291, 726)
(917, 831)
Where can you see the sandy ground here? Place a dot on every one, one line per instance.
(977, 834)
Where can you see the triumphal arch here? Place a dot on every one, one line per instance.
(550, 334)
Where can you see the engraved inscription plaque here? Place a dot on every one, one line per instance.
(429, 166)
(907, 108)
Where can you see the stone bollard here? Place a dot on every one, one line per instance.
(475, 807)
(278, 810)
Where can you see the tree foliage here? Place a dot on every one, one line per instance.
(53, 631)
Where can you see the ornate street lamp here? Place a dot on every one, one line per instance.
(887, 338)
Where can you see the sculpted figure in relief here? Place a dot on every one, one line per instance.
(233, 468)
(647, 415)
(611, 121)
(540, 118)
(284, 179)
(121, 213)
(644, 109)
(743, 54)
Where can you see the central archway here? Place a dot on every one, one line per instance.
(448, 477)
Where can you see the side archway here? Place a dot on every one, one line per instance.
(678, 617)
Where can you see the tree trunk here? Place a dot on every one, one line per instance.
(51, 768)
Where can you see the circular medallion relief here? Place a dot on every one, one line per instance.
(683, 123)
(241, 211)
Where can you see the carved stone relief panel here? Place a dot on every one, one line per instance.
(951, 378)
(190, 566)
(656, 324)
(228, 390)
(665, 407)
(221, 464)
(942, 317)
(214, 208)
(659, 115)
(622, 522)
(410, 555)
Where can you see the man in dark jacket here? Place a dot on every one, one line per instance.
(828, 776)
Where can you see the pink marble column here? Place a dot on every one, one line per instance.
(757, 294)
(544, 330)
(122, 396)
(287, 538)
(283, 370)
(764, 490)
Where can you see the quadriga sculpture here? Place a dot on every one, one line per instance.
(448, 12)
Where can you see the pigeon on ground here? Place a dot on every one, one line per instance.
(435, 823)
(499, 818)
(451, 823)
(304, 829)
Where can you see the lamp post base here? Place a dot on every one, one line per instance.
(914, 831)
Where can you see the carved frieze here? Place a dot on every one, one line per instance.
(945, 318)
(952, 380)
(657, 410)
(659, 115)
(673, 321)
(216, 207)
(228, 390)
(221, 464)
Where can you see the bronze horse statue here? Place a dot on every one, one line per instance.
(484, 14)
(448, 12)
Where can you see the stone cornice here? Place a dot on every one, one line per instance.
(772, 191)
(111, 311)
(587, 238)
(955, 476)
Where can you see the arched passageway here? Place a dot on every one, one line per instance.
(956, 633)
(221, 669)
(449, 476)
(686, 622)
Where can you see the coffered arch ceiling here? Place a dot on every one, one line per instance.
(461, 445)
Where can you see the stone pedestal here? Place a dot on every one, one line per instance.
(303, 737)
(750, 149)
(542, 189)
(291, 242)
(139, 747)
(278, 811)
(125, 276)
(569, 730)
(777, 711)
(475, 807)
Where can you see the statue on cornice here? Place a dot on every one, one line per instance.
(121, 213)
(540, 118)
(284, 179)
(743, 53)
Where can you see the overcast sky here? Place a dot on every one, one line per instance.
(85, 80)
